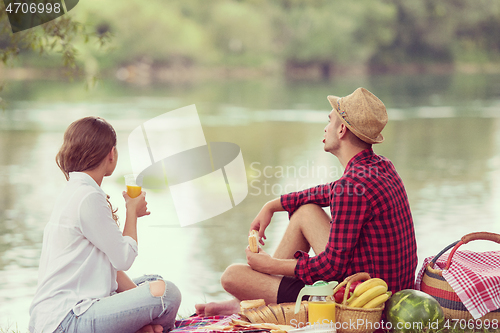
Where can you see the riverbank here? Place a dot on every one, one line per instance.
(145, 73)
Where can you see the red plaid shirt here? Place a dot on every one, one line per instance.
(371, 228)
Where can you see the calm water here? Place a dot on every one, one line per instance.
(443, 137)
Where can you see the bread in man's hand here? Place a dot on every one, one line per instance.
(253, 241)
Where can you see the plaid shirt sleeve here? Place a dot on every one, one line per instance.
(371, 229)
(319, 195)
(348, 217)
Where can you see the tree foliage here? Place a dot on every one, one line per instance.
(57, 36)
(268, 32)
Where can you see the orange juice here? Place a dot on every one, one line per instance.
(133, 191)
(321, 312)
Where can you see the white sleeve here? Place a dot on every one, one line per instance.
(100, 229)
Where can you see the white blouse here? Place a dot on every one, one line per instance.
(82, 250)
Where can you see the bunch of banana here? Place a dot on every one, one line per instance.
(370, 294)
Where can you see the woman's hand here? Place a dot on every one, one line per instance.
(137, 205)
(124, 282)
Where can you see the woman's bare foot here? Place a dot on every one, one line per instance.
(151, 329)
(218, 308)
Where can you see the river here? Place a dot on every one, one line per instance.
(443, 136)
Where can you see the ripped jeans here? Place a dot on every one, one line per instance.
(127, 312)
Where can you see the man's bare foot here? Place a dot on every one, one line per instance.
(224, 308)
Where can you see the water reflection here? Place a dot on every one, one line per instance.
(443, 138)
(15, 217)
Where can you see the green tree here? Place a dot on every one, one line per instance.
(60, 36)
(335, 33)
(265, 33)
(441, 31)
(155, 29)
(242, 32)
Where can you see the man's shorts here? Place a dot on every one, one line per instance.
(289, 289)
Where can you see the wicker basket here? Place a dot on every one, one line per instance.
(434, 284)
(355, 320)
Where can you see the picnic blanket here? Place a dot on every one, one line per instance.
(475, 278)
(197, 324)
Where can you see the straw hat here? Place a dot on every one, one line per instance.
(363, 114)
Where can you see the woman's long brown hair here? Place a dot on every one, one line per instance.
(87, 142)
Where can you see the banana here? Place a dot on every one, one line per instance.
(377, 301)
(253, 241)
(368, 296)
(368, 284)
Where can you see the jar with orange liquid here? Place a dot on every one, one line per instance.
(321, 307)
(133, 189)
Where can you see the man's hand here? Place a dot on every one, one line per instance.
(264, 263)
(260, 262)
(261, 222)
(264, 217)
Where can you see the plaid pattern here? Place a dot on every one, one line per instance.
(371, 229)
(475, 278)
(196, 324)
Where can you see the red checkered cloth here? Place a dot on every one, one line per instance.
(196, 324)
(475, 278)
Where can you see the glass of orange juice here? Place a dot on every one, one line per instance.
(321, 312)
(133, 189)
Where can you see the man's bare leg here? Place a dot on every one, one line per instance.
(309, 227)
(243, 283)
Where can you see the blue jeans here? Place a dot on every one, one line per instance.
(128, 311)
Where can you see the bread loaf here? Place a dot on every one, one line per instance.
(281, 314)
(252, 303)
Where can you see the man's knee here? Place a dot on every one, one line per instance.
(308, 209)
(231, 276)
(308, 212)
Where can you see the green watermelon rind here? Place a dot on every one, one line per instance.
(413, 309)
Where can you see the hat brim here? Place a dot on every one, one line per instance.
(334, 103)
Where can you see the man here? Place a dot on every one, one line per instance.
(370, 228)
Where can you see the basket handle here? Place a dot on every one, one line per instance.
(348, 281)
(481, 236)
(464, 240)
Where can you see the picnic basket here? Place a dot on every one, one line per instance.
(434, 284)
(346, 315)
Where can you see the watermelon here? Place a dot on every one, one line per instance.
(412, 310)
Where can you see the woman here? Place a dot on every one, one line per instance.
(81, 283)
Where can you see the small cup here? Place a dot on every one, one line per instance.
(133, 189)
